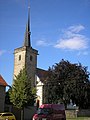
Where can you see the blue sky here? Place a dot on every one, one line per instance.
(60, 29)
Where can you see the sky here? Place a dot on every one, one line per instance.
(60, 29)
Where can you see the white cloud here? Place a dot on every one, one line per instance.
(43, 43)
(2, 52)
(72, 39)
(82, 53)
(74, 43)
(76, 28)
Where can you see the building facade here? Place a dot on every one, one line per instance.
(3, 85)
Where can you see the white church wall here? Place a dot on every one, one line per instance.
(39, 87)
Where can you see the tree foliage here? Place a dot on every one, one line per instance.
(67, 81)
(7, 97)
(22, 93)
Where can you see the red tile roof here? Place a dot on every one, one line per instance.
(3, 82)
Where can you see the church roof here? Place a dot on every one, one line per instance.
(3, 82)
(27, 41)
(42, 74)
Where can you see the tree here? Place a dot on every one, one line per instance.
(22, 93)
(7, 97)
(67, 81)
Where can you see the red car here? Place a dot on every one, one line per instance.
(50, 112)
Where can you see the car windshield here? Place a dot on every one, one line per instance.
(44, 111)
(7, 114)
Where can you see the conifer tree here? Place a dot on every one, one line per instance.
(22, 93)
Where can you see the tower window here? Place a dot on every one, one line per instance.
(31, 58)
(19, 57)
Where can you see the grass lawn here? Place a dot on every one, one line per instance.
(79, 118)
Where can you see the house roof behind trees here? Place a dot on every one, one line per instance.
(3, 82)
(42, 74)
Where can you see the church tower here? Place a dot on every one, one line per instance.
(26, 56)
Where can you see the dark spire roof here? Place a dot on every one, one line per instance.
(27, 41)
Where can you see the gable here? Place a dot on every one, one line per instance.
(42, 74)
(3, 82)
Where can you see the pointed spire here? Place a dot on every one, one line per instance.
(27, 41)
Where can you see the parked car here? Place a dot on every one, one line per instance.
(7, 116)
(50, 112)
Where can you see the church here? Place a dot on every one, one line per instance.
(26, 56)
